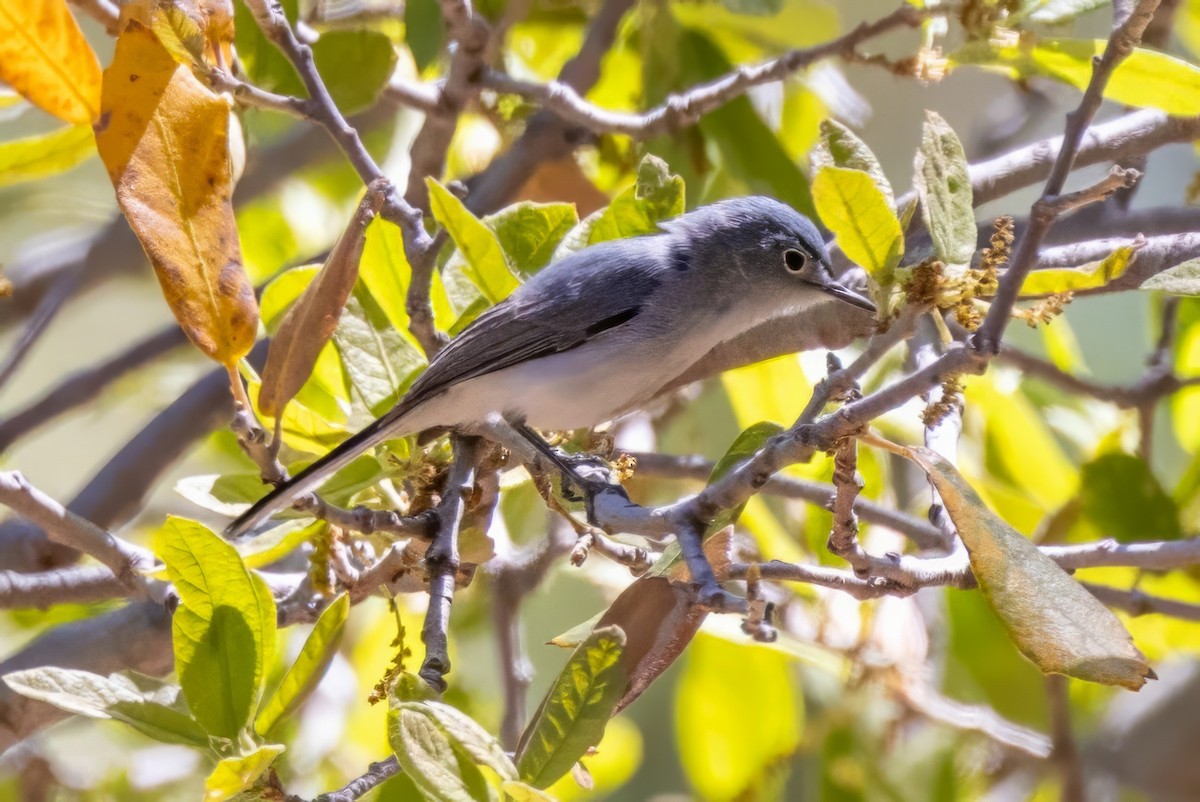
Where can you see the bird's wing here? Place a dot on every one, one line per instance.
(584, 295)
(587, 294)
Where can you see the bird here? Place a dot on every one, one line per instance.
(600, 332)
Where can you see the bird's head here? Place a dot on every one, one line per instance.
(763, 248)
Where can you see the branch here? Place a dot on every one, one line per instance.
(1121, 43)
(1065, 752)
(117, 491)
(376, 775)
(104, 12)
(87, 384)
(547, 136)
(125, 560)
(63, 586)
(136, 637)
(1159, 381)
(325, 113)
(250, 96)
(923, 533)
(682, 110)
(467, 35)
(973, 718)
(901, 575)
(441, 561)
(843, 536)
(63, 288)
(1136, 602)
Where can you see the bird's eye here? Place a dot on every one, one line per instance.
(794, 260)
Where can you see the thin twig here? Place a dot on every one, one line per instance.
(685, 109)
(1046, 209)
(377, 774)
(64, 287)
(1065, 752)
(1137, 602)
(923, 533)
(973, 718)
(87, 384)
(104, 12)
(843, 536)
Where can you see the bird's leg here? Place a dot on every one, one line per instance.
(564, 462)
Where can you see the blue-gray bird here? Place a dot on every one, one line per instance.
(603, 331)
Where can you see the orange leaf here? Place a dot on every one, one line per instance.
(44, 56)
(164, 138)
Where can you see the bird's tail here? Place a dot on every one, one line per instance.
(315, 475)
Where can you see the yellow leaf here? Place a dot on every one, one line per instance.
(44, 56)
(1084, 277)
(46, 154)
(164, 138)
(858, 213)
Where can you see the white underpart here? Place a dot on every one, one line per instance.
(588, 385)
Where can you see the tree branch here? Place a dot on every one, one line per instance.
(1124, 39)
(125, 560)
(682, 110)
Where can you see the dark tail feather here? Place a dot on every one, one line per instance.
(315, 475)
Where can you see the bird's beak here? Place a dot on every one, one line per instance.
(849, 296)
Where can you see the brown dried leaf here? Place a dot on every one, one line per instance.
(310, 322)
(45, 57)
(164, 138)
(659, 618)
(1051, 618)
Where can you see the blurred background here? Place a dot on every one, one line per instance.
(812, 717)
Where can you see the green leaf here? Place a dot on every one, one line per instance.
(355, 64)
(523, 792)
(760, 8)
(265, 66)
(529, 232)
(386, 273)
(1057, 624)
(1147, 78)
(485, 263)
(477, 742)
(424, 31)
(380, 362)
(178, 33)
(435, 762)
(840, 147)
(1089, 276)
(312, 662)
(749, 150)
(236, 774)
(1122, 497)
(155, 713)
(45, 154)
(224, 629)
(1182, 279)
(736, 715)
(745, 446)
(942, 183)
(573, 715)
(657, 195)
(861, 218)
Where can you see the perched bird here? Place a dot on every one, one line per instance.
(600, 332)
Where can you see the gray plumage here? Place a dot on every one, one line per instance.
(600, 332)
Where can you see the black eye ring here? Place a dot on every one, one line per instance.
(794, 260)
